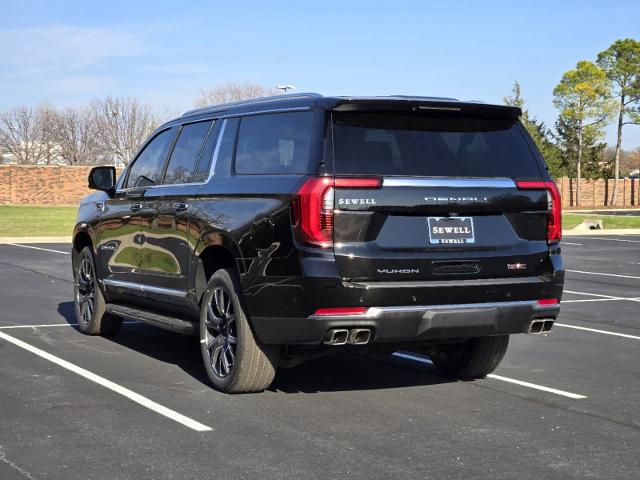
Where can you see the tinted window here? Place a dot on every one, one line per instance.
(182, 164)
(274, 144)
(225, 150)
(147, 168)
(449, 146)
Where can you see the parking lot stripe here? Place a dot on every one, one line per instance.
(612, 239)
(600, 295)
(38, 248)
(555, 391)
(604, 274)
(13, 327)
(571, 243)
(595, 330)
(125, 392)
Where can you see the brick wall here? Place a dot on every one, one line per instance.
(42, 185)
(39, 185)
(597, 193)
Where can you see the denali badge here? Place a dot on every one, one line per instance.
(439, 200)
(516, 266)
(356, 201)
(398, 270)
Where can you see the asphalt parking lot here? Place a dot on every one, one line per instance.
(138, 406)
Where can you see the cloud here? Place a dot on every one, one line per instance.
(26, 51)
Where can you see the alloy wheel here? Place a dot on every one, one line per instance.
(85, 290)
(220, 333)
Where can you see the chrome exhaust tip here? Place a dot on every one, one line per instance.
(359, 336)
(547, 326)
(336, 336)
(535, 327)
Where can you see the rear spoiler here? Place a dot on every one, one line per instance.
(417, 104)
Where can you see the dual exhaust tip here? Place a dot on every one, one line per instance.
(342, 336)
(542, 326)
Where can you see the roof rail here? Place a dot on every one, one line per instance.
(249, 101)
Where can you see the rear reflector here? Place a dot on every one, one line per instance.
(342, 311)
(554, 206)
(548, 301)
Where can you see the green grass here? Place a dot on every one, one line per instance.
(571, 220)
(26, 221)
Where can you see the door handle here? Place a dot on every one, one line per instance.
(100, 206)
(180, 206)
(135, 207)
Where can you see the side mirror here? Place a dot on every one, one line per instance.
(103, 178)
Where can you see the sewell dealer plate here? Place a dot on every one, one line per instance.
(450, 230)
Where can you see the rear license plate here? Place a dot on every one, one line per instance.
(450, 230)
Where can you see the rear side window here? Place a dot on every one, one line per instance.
(147, 167)
(184, 158)
(447, 146)
(274, 144)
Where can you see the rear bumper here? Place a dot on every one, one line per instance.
(400, 324)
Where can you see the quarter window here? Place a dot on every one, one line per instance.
(274, 143)
(146, 169)
(184, 158)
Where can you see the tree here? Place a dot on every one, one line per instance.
(621, 62)
(583, 98)
(77, 136)
(20, 135)
(122, 125)
(539, 132)
(232, 92)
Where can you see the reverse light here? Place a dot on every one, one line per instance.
(554, 206)
(313, 207)
(341, 311)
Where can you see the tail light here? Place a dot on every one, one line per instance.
(554, 207)
(313, 207)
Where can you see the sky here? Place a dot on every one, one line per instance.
(166, 52)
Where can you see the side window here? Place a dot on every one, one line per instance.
(274, 143)
(204, 165)
(147, 167)
(183, 160)
(224, 155)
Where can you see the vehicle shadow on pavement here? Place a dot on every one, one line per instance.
(351, 371)
(334, 373)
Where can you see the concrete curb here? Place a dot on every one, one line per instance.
(600, 233)
(5, 240)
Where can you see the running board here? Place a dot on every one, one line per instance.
(163, 321)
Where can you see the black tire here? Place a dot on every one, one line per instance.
(235, 362)
(89, 302)
(475, 358)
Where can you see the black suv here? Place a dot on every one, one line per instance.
(284, 228)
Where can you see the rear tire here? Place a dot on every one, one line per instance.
(91, 315)
(475, 358)
(234, 360)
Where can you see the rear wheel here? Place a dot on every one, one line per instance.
(475, 358)
(234, 360)
(89, 302)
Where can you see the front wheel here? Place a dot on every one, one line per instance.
(234, 360)
(90, 306)
(474, 358)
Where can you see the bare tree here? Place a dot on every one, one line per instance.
(232, 92)
(77, 137)
(20, 134)
(46, 119)
(122, 124)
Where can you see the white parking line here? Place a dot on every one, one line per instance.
(125, 392)
(571, 243)
(604, 274)
(46, 325)
(38, 248)
(595, 330)
(613, 239)
(555, 391)
(588, 294)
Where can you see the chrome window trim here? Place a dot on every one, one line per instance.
(140, 287)
(449, 182)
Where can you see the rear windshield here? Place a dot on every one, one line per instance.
(434, 146)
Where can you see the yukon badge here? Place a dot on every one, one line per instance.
(440, 200)
(395, 271)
